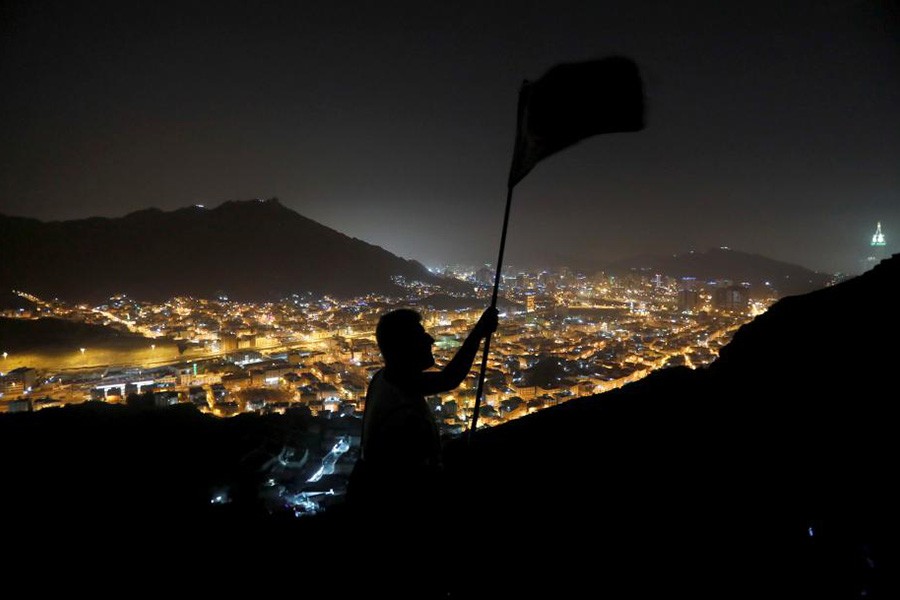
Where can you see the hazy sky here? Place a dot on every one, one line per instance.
(772, 127)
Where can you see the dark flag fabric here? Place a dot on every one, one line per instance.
(572, 102)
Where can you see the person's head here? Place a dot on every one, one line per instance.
(403, 341)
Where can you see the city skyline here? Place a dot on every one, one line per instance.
(770, 129)
(603, 331)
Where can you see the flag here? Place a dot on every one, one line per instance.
(572, 102)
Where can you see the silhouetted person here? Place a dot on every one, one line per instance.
(399, 471)
(396, 487)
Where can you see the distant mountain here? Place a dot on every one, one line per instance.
(723, 263)
(247, 250)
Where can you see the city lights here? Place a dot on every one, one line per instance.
(562, 335)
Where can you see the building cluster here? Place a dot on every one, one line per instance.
(562, 335)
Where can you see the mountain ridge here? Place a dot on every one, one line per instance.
(765, 275)
(247, 250)
(726, 263)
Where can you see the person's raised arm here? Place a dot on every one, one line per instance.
(456, 370)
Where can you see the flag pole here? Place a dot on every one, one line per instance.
(487, 341)
(610, 99)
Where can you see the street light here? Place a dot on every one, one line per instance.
(82, 351)
(5, 354)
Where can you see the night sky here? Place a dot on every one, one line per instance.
(772, 127)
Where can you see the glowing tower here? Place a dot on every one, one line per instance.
(877, 249)
(878, 238)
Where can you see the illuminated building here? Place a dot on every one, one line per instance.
(17, 382)
(733, 298)
(228, 342)
(877, 249)
(688, 300)
(878, 238)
